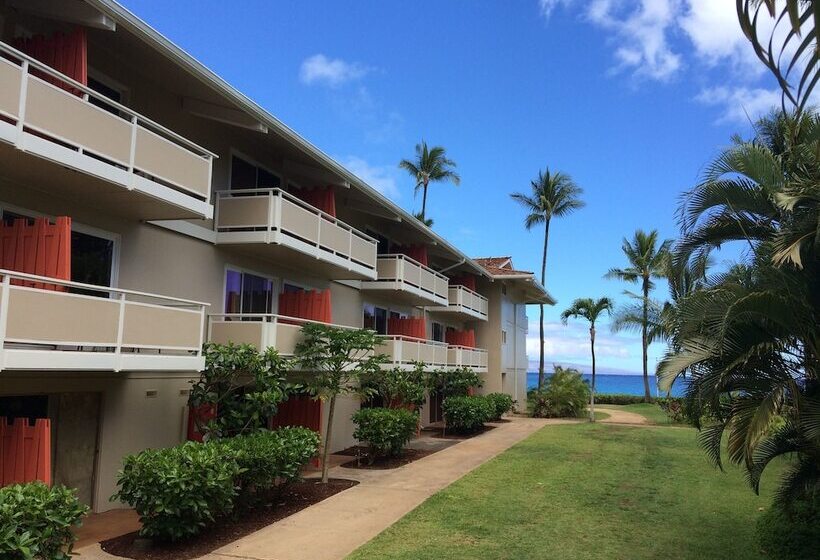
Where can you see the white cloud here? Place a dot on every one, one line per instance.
(547, 6)
(380, 177)
(333, 72)
(571, 342)
(740, 104)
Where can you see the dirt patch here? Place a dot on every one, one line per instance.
(441, 433)
(284, 503)
(383, 463)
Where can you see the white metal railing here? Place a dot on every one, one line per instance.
(39, 314)
(280, 215)
(403, 270)
(465, 356)
(128, 140)
(463, 297)
(407, 350)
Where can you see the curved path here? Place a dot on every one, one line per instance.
(617, 416)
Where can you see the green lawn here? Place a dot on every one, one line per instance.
(585, 492)
(650, 411)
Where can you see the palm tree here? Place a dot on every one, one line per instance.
(430, 165)
(589, 309)
(553, 195)
(647, 260)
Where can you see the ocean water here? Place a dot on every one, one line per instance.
(616, 383)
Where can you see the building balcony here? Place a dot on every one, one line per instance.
(262, 330)
(48, 324)
(409, 281)
(270, 223)
(128, 164)
(465, 303)
(464, 357)
(405, 352)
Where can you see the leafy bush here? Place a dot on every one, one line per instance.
(617, 398)
(790, 534)
(36, 521)
(467, 414)
(266, 458)
(180, 490)
(673, 407)
(399, 386)
(245, 387)
(386, 430)
(455, 382)
(502, 403)
(565, 394)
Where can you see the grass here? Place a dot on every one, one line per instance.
(650, 411)
(586, 491)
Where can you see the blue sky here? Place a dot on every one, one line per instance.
(630, 97)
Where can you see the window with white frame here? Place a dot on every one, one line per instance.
(248, 293)
(246, 174)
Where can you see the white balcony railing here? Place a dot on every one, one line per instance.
(262, 330)
(272, 216)
(404, 351)
(403, 274)
(463, 356)
(45, 324)
(464, 301)
(120, 145)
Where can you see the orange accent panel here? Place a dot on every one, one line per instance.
(41, 248)
(25, 451)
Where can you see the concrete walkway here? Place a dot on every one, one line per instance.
(335, 527)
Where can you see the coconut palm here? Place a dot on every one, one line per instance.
(430, 165)
(552, 195)
(647, 260)
(589, 309)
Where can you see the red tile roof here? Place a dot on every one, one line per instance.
(499, 266)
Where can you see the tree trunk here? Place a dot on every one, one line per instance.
(424, 201)
(592, 394)
(541, 307)
(645, 340)
(326, 450)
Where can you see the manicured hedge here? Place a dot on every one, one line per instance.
(36, 521)
(467, 414)
(792, 533)
(617, 398)
(180, 491)
(502, 403)
(385, 430)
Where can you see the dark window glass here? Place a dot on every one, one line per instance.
(266, 179)
(247, 293)
(438, 332)
(291, 289)
(27, 406)
(92, 259)
(109, 92)
(374, 318)
(381, 320)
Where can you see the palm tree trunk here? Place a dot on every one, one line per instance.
(541, 307)
(424, 201)
(592, 394)
(326, 450)
(645, 341)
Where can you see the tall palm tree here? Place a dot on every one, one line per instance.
(553, 195)
(589, 309)
(430, 165)
(647, 260)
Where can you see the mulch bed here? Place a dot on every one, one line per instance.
(288, 501)
(383, 463)
(441, 433)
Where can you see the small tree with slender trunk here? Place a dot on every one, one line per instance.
(335, 360)
(430, 165)
(647, 261)
(553, 195)
(589, 309)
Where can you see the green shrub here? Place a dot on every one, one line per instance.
(673, 407)
(385, 430)
(793, 533)
(502, 403)
(36, 521)
(266, 458)
(454, 382)
(398, 387)
(467, 414)
(617, 398)
(180, 490)
(565, 394)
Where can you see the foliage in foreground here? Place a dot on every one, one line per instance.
(36, 521)
(453, 382)
(748, 340)
(565, 394)
(467, 414)
(399, 387)
(618, 398)
(179, 491)
(385, 430)
(791, 533)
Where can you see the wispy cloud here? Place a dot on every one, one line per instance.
(333, 72)
(380, 177)
(571, 342)
(547, 6)
(740, 104)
